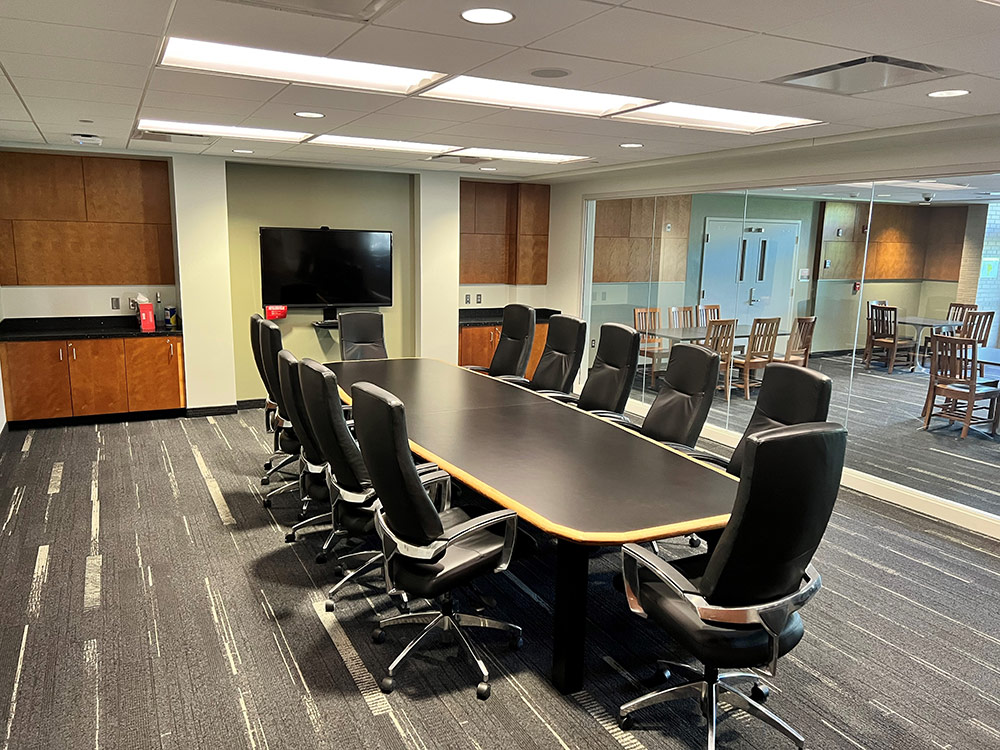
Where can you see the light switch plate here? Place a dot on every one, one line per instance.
(116, 303)
(479, 299)
(468, 298)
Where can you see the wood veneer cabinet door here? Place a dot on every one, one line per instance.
(154, 371)
(537, 347)
(127, 190)
(45, 187)
(476, 345)
(36, 379)
(97, 376)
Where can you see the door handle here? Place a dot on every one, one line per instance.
(752, 299)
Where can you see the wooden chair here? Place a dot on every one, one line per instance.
(719, 338)
(647, 320)
(681, 317)
(976, 325)
(800, 344)
(955, 378)
(868, 324)
(956, 312)
(707, 313)
(884, 331)
(759, 352)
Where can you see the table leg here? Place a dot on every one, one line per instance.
(569, 639)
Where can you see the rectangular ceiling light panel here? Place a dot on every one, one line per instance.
(273, 65)
(221, 131)
(379, 144)
(526, 156)
(680, 115)
(473, 90)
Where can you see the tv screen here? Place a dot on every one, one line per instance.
(325, 267)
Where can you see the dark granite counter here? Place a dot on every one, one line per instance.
(493, 316)
(79, 327)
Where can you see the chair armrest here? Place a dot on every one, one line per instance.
(612, 416)
(425, 468)
(566, 398)
(703, 456)
(635, 558)
(514, 379)
(477, 368)
(507, 517)
(440, 481)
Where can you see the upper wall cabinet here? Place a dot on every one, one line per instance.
(81, 220)
(504, 233)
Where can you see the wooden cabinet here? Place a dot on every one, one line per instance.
(36, 379)
(476, 345)
(537, 347)
(97, 376)
(155, 369)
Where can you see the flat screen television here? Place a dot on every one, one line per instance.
(325, 267)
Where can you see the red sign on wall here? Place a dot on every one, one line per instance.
(275, 312)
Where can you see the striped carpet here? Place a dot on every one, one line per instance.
(150, 602)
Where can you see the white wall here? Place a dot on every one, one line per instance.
(498, 295)
(202, 234)
(65, 301)
(436, 220)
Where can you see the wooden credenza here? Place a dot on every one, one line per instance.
(476, 344)
(89, 376)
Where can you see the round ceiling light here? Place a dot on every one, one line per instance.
(629, 145)
(487, 169)
(487, 16)
(310, 115)
(550, 72)
(948, 93)
(242, 151)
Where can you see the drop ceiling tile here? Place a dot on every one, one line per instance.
(208, 84)
(532, 19)
(137, 16)
(251, 26)
(912, 116)
(18, 126)
(21, 65)
(415, 49)
(172, 114)
(402, 123)
(392, 134)
(441, 110)
(8, 135)
(45, 109)
(666, 85)
(197, 103)
(282, 117)
(984, 98)
(978, 53)
(225, 146)
(76, 42)
(584, 72)
(317, 96)
(62, 138)
(102, 126)
(635, 36)
(755, 16)
(31, 87)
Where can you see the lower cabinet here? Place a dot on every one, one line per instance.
(476, 345)
(97, 376)
(36, 379)
(155, 368)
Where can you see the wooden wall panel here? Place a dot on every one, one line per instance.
(673, 258)
(484, 258)
(643, 263)
(493, 208)
(466, 207)
(532, 262)
(8, 260)
(642, 217)
(895, 260)
(533, 209)
(840, 216)
(943, 262)
(45, 187)
(127, 190)
(612, 218)
(164, 254)
(846, 260)
(611, 258)
(674, 210)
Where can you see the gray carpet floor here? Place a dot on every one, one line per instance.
(887, 439)
(151, 602)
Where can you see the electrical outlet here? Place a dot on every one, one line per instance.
(132, 304)
(468, 298)
(593, 343)
(479, 299)
(116, 303)
(827, 263)
(668, 228)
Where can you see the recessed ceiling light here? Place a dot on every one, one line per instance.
(242, 151)
(629, 145)
(930, 180)
(310, 115)
(948, 93)
(286, 66)
(532, 96)
(487, 16)
(487, 169)
(680, 115)
(223, 131)
(789, 189)
(884, 195)
(380, 144)
(550, 72)
(828, 195)
(529, 156)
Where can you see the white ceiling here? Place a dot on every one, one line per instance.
(70, 60)
(980, 188)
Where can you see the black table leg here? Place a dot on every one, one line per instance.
(569, 638)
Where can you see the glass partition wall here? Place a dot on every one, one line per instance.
(800, 269)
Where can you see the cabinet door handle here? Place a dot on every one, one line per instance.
(171, 348)
(60, 354)
(74, 352)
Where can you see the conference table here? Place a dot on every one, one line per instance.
(570, 474)
(698, 333)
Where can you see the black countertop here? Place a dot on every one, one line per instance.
(493, 316)
(79, 327)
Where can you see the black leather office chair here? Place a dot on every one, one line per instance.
(565, 344)
(312, 478)
(270, 406)
(737, 608)
(609, 381)
(286, 442)
(517, 333)
(361, 335)
(429, 551)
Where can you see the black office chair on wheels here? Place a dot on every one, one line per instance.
(737, 608)
(362, 335)
(270, 405)
(428, 552)
(517, 333)
(565, 344)
(609, 381)
(286, 442)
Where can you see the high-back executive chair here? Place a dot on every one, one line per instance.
(685, 397)
(362, 335)
(737, 608)
(610, 380)
(270, 407)
(517, 334)
(286, 442)
(565, 344)
(428, 551)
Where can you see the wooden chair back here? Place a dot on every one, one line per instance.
(800, 343)
(763, 338)
(876, 302)
(647, 319)
(720, 336)
(681, 317)
(976, 325)
(707, 313)
(884, 321)
(953, 361)
(957, 310)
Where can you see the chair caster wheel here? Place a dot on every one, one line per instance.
(387, 685)
(264, 481)
(320, 558)
(625, 722)
(378, 636)
(483, 691)
(516, 643)
(266, 502)
(694, 541)
(759, 692)
(331, 606)
(290, 537)
(268, 465)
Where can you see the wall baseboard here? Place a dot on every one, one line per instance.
(210, 411)
(131, 416)
(251, 403)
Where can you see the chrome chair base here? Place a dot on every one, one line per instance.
(451, 623)
(709, 688)
(370, 560)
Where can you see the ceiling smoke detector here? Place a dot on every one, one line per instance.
(86, 139)
(351, 10)
(872, 73)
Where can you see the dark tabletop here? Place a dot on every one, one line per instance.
(79, 327)
(563, 470)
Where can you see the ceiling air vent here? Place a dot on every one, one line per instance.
(350, 10)
(455, 159)
(148, 135)
(872, 73)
